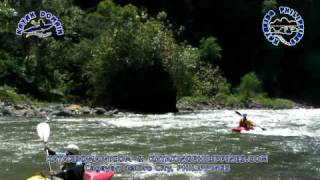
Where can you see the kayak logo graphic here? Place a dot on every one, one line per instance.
(41, 27)
(288, 29)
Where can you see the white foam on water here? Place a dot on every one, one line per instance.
(286, 123)
(190, 175)
(295, 122)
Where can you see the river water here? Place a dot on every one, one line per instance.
(291, 141)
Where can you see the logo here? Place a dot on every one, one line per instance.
(288, 29)
(41, 27)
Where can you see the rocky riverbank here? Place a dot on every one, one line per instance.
(52, 110)
(74, 110)
(185, 105)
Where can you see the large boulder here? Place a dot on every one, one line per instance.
(85, 110)
(64, 113)
(8, 111)
(100, 110)
(32, 113)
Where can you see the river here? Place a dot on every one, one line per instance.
(291, 141)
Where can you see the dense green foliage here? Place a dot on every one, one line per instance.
(247, 94)
(210, 50)
(249, 86)
(276, 103)
(250, 90)
(113, 55)
(9, 94)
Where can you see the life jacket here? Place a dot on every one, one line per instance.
(72, 171)
(246, 124)
(69, 171)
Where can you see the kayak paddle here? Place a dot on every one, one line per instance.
(239, 113)
(48, 119)
(256, 125)
(43, 130)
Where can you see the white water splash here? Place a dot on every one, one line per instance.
(296, 122)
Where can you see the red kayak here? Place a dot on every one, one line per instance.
(239, 129)
(91, 175)
(88, 175)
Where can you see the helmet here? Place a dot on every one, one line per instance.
(245, 115)
(72, 148)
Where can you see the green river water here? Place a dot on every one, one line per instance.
(291, 141)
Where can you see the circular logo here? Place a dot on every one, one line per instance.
(31, 25)
(287, 29)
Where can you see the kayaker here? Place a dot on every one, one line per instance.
(244, 122)
(69, 171)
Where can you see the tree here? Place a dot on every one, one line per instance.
(135, 62)
(249, 85)
(210, 50)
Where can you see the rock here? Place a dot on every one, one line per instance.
(33, 107)
(65, 113)
(43, 113)
(8, 111)
(85, 110)
(32, 113)
(100, 110)
(20, 106)
(29, 113)
(185, 106)
(45, 110)
(8, 103)
(218, 107)
(109, 113)
(20, 113)
(73, 107)
(58, 107)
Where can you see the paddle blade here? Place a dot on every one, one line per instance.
(43, 130)
(238, 113)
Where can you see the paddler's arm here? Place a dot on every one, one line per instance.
(61, 174)
(240, 122)
(50, 152)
